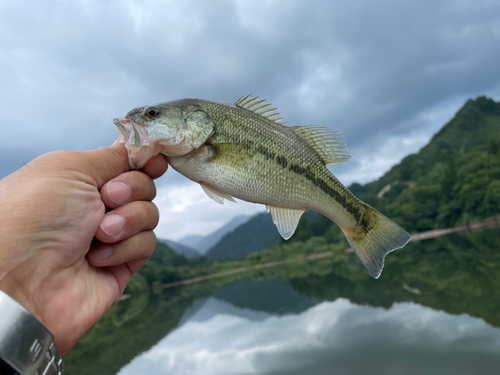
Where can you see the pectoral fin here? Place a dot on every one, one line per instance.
(216, 194)
(285, 219)
(328, 143)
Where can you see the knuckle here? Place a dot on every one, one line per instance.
(155, 214)
(53, 157)
(146, 242)
(148, 214)
(151, 242)
(142, 184)
(153, 190)
(149, 186)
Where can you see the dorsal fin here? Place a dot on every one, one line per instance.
(328, 143)
(260, 107)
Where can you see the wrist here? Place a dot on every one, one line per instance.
(26, 345)
(17, 289)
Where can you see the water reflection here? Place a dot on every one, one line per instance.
(332, 337)
(434, 311)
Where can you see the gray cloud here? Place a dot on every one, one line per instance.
(368, 69)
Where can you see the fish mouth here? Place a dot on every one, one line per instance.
(136, 139)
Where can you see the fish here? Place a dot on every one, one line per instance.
(246, 151)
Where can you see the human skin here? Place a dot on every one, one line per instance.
(74, 228)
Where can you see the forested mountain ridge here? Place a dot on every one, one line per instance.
(454, 179)
(254, 235)
(181, 249)
(475, 127)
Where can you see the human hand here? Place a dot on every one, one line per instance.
(51, 210)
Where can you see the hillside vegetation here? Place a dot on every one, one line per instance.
(256, 234)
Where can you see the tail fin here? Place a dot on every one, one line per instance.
(373, 238)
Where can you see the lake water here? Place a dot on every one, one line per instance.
(435, 310)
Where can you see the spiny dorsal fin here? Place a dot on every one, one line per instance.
(285, 219)
(260, 107)
(328, 143)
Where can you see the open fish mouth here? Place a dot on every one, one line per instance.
(140, 149)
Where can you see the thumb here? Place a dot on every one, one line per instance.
(106, 163)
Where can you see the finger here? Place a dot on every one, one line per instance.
(138, 247)
(106, 163)
(156, 167)
(135, 265)
(126, 221)
(122, 275)
(128, 187)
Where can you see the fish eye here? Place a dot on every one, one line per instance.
(152, 112)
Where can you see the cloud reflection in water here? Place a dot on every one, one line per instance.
(333, 337)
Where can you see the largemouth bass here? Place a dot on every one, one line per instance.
(246, 151)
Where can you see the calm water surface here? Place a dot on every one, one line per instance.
(434, 311)
(337, 337)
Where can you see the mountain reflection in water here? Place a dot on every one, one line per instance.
(433, 311)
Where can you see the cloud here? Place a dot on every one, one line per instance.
(378, 154)
(340, 335)
(367, 69)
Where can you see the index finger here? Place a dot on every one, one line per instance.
(106, 163)
(155, 167)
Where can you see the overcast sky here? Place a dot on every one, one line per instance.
(386, 74)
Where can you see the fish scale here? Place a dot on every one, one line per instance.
(283, 145)
(243, 151)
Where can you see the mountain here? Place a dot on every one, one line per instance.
(179, 248)
(473, 128)
(206, 243)
(452, 180)
(203, 243)
(191, 240)
(256, 234)
(273, 296)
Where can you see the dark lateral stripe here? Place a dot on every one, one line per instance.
(295, 168)
(323, 185)
(308, 174)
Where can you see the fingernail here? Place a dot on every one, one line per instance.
(119, 192)
(101, 254)
(112, 224)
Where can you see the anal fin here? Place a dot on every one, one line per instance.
(216, 194)
(285, 219)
